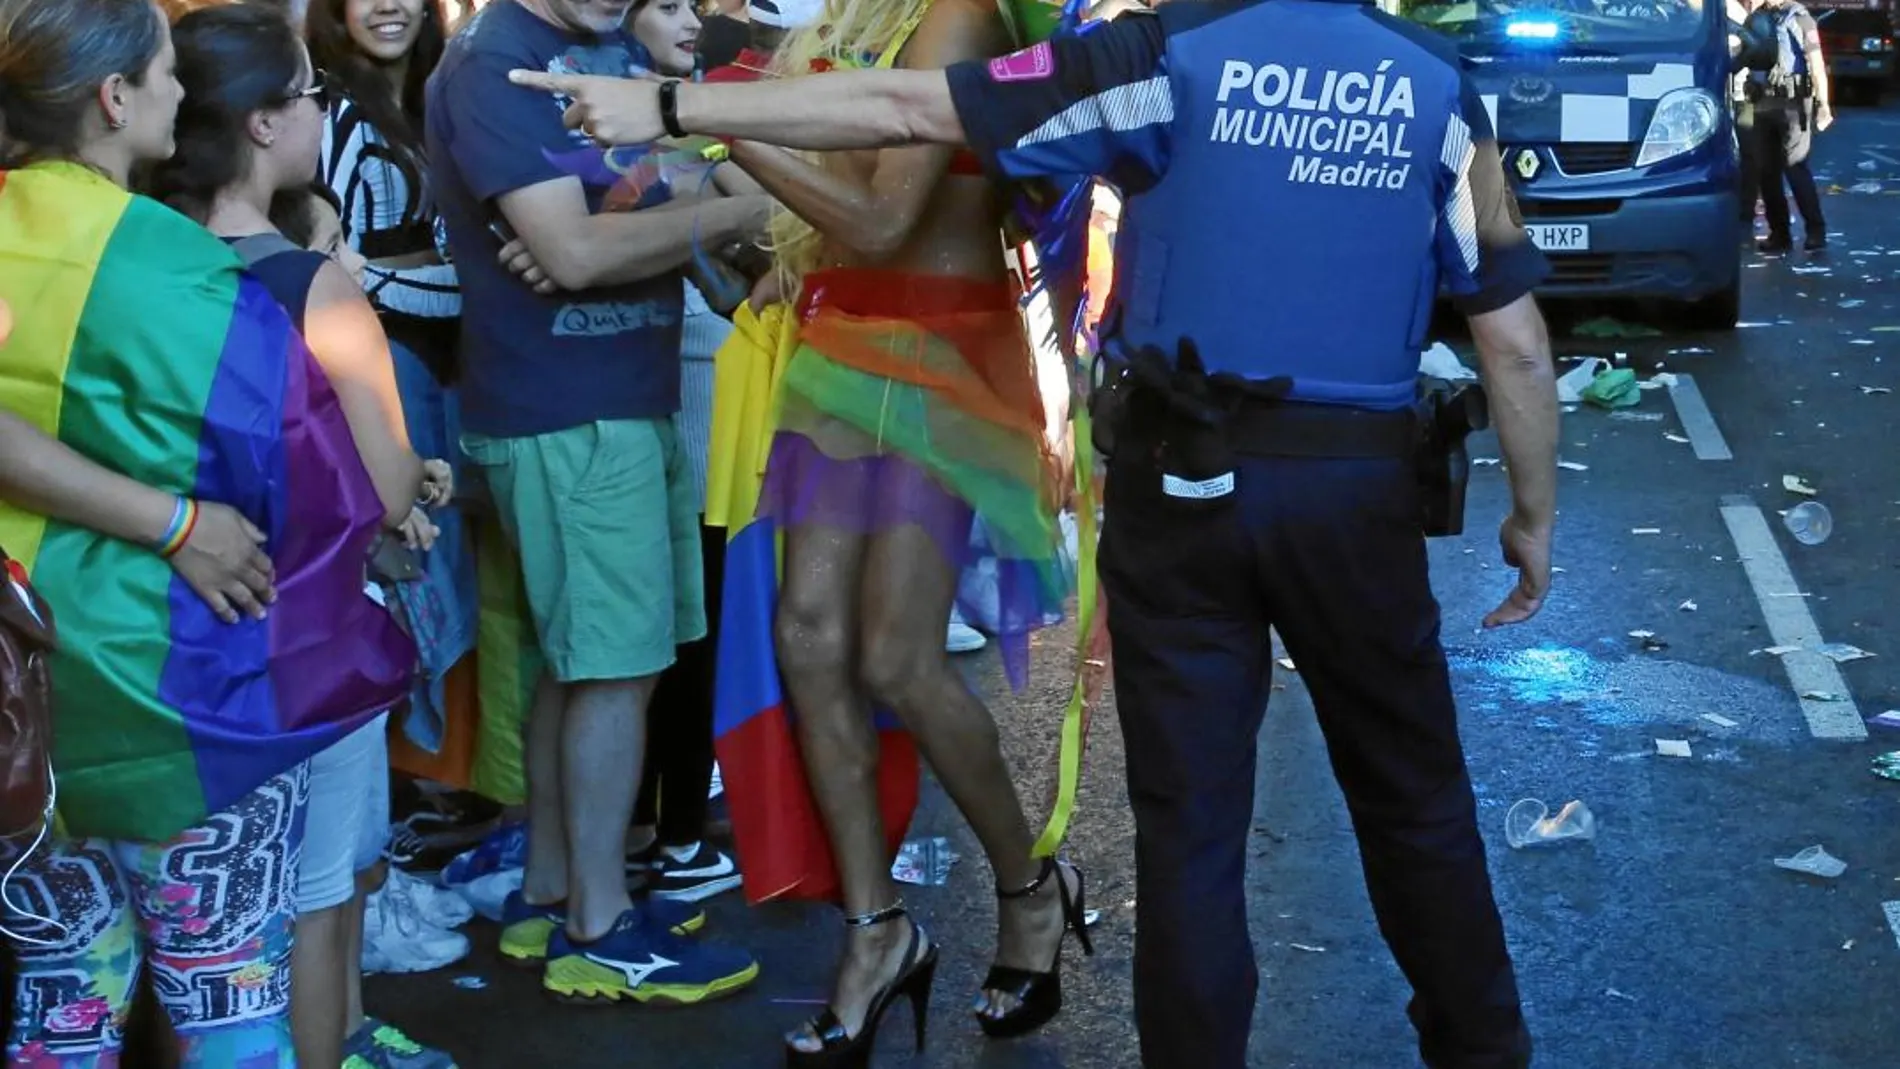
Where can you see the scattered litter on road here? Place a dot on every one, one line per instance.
(1814, 861)
(1674, 437)
(1794, 484)
(1861, 341)
(1888, 719)
(1529, 823)
(469, 983)
(1571, 465)
(1851, 303)
(1841, 652)
(1813, 270)
(1892, 910)
(1308, 949)
(1673, 748)
(1286, 663)
(1616, 388)
(1484, 462)
(1809, 522)
(1607, 327)
(1571, 384)
(1687, 606)
(1611, 992)
(1869, 186)
(1887, 766)
(1637, 417)
(1719, 720)
(1849, 945)
(1091, 918)
(1645, 530)
(924, 862)
(1875, 391)
(1822, 696)
(1777, 651)
(1692, 350)
(1661, 380)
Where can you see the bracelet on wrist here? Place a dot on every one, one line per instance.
(184, 521)
(669, 108)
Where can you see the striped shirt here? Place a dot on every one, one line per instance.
(702, 332)
(386, 215)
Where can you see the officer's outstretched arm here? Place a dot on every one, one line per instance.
(840, 110)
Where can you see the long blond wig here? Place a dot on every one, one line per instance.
(851, 33)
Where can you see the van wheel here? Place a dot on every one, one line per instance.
(1718, 311)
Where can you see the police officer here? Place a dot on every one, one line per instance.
(1791, 105)
(1302, 178)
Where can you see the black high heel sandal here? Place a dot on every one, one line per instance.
(1038, 995)
(841, 1050)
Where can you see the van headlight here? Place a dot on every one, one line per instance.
(1684, 119)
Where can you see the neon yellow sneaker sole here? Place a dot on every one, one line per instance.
(576, 979)
(525, 943)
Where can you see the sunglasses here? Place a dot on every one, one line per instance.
(318, 91)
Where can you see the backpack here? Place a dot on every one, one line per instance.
(27, 639)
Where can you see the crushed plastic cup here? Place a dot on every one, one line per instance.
(1809, 522)
(1530, 823)
(1815, 861)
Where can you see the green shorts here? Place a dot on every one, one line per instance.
(603, 518)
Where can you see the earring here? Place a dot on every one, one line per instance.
(116, 123)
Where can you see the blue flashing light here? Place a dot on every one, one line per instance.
(1529, 30)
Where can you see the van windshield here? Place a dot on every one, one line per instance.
(1553, 24)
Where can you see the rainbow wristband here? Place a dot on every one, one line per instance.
(184, 520)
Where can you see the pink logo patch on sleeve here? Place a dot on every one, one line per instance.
(1029, 65)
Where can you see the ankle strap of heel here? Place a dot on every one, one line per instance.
(1029, 889)
(883, 916)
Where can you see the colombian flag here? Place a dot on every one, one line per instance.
(142, 345)
(775, 824)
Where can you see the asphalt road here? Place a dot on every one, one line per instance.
(1670, 940)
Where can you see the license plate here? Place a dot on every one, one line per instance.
(1561, 237)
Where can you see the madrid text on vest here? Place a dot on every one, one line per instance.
(1320, 111)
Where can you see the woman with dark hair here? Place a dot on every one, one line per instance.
(248, 131)
(180, 762)
(377, 56)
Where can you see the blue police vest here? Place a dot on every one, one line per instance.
(1291, 233)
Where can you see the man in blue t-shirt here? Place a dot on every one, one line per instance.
(571, 379)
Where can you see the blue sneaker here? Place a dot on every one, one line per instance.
(639, 960)
(526, 930)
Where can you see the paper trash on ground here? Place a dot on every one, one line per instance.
(1673, 748)
(1795, 484)
(1841, 652)
(1719, 720)
(1440, 362)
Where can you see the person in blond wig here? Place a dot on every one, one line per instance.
(910, 407)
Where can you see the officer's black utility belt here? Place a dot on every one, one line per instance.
(1171, 415)
(1293, 429)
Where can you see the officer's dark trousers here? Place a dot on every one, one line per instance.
(1747, 139)
(1785, 129)
(1330, 553)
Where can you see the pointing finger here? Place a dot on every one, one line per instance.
(542, 80)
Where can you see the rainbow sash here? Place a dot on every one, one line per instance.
(141, 344)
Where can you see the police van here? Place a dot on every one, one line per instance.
(1614, 123)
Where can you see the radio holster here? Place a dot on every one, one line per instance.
(1447, 413)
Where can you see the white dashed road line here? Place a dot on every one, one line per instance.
(1697, 422)
(1892, 910)
(1825, 702)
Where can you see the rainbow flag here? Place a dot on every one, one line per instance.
(781, 841)
(141, 344)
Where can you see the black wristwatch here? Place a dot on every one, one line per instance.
(670, 108)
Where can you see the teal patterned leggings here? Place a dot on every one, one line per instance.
(210, 913)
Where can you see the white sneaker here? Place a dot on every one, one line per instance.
(963, 638)
(397, 940)
(718, 783)
(487, 893)
(438, 906)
